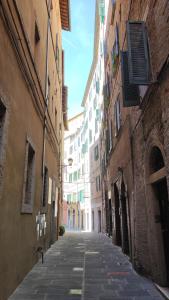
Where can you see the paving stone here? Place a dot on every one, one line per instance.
(104, 273)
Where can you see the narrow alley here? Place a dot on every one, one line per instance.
(85, 266)
(84, 149)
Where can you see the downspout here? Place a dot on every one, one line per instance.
(46, 102)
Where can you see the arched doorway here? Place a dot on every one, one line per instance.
(158, 182)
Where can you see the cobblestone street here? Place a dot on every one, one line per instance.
(85, 266)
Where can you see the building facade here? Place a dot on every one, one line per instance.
(32, 121)
(93, 108)
(76, 205)
(135, 133)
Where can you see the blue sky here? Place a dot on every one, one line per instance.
(78, 46)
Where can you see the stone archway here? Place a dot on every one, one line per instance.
(158, 215)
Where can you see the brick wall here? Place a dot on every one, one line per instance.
(148, 125)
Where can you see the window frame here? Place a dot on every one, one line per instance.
(28, 207)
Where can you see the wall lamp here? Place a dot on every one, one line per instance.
(70, 163)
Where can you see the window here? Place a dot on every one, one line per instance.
(82, 169)
(85, 147)
(79, 174)
(117, 115)
(52, 104)
(45, 186)
(96, 126)
(97, 86)
(90, 114)
(108, 88)
(113, 11)
(98, 114)
(69, 198)
(37, 34)
(48, 90)
(98, 183)
(94, 103)
(130, 92)
(90, 135)
(74, 197)
(75, 176)
(2, 121)
(29, 178)
(90, 95)
(57, 51)
(70, 177)
(110, 135)
(115, 51)
(138, 53)
(55, 119)
(96, 153)
(100, 69)
(71, 150)
(81, 196)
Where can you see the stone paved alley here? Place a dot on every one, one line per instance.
(85, 266)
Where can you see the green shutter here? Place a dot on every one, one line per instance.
(70, 177)
(102, 10)
(130, 91)
(138, 53)
(75, 176)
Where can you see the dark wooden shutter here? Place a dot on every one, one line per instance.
(130, 91)
(138, 54)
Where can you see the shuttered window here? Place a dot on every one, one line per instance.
(138, 53)
(96, 153)
(70, 178)
(29, 180)
(115, 52)
(45, 186)
(110, 135)
(117, 117)
(75, 176)
(69, 198)
(130, 91)
(107, 142)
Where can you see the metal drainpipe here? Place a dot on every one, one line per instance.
(46, 99)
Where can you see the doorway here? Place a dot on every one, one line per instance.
(92, 220)
(158, 181)
(53, 223)
(124, 223)
(82, 221)
(117, 209)
(161, 192)
(110, 218)
(99, 220)
(73, 218)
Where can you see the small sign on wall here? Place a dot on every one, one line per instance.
(40, 225)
